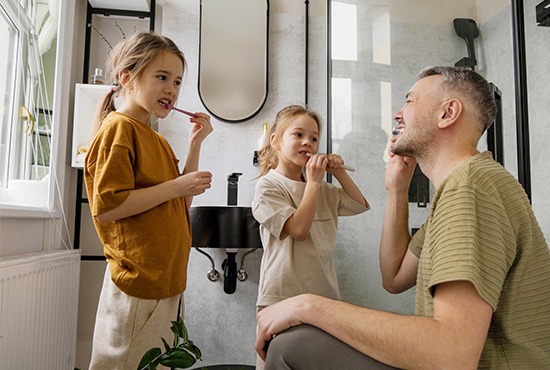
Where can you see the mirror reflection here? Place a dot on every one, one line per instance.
(233, 57)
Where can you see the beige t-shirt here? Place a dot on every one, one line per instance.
(148, 252)
(290, 267)
(482, 229)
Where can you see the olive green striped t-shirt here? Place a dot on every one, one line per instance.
(482, 229)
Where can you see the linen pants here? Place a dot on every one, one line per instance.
(126, 327)
(306, 347)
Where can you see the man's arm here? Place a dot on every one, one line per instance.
(398, 265)
(452, 339)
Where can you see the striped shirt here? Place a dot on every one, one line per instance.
(482, 229)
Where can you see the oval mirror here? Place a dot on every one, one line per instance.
(233, 57)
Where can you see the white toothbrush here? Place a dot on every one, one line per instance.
(343, 166)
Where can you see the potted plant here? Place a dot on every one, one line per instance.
(182, 354)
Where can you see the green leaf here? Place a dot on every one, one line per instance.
(166, 345)
(194, 350)
(149, 357)
(185, 335)
(177, 328)
(178, 358)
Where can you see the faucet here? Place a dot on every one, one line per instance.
(232, 182)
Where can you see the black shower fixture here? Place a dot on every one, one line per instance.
(467, 29)
(543, 13)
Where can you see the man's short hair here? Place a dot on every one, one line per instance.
(471, 84)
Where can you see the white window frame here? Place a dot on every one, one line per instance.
(50, 205)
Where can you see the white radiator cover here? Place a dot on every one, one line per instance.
(39, 310)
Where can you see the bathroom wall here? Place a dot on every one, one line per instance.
(497, 66)
(222, 325)
(537, 51)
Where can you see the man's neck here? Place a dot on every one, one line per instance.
(438, 167)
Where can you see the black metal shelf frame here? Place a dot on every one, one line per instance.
(80, 176)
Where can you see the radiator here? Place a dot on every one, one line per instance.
(38, 310)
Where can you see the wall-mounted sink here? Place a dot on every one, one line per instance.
(228, 227)
(224, 227)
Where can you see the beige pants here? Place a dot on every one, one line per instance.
(126, 327)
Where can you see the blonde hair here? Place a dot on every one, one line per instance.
(268, 155)
(133, 55)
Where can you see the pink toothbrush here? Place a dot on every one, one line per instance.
(347, 168)
(171, 107)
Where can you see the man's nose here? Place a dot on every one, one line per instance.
(398, 116)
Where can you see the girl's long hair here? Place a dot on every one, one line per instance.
(132, 55)
(268, 155)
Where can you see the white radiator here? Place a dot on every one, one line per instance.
(38, 310)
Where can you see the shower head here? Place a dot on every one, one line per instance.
(467, 29)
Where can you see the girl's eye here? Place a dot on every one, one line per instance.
(298, 134)
(314, 139)
(177, 83)
(161, 77)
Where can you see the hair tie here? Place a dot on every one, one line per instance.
(113, 89)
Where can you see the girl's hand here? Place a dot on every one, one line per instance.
(193, 183)
(201, 128)
(334, 163)
(316, 167)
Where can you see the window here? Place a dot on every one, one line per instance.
(344, 31)
(341, 109)
(8, 37)
(28, 29)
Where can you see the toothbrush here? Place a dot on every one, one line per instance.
(396, 131)
(347, 168)
(171, 107)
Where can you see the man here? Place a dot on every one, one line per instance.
(480, 263)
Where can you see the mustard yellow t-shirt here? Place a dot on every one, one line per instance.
(148, 252)
(482, 229)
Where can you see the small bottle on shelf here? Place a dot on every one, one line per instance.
(97, 78)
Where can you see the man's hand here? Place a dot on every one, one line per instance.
(277, 318)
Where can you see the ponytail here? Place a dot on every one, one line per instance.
(106, 107)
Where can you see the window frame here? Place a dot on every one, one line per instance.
(50, 204)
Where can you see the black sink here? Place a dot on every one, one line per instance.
(224, 227)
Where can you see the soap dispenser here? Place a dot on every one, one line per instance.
(262, 141)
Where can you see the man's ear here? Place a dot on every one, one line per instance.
(452, 109)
